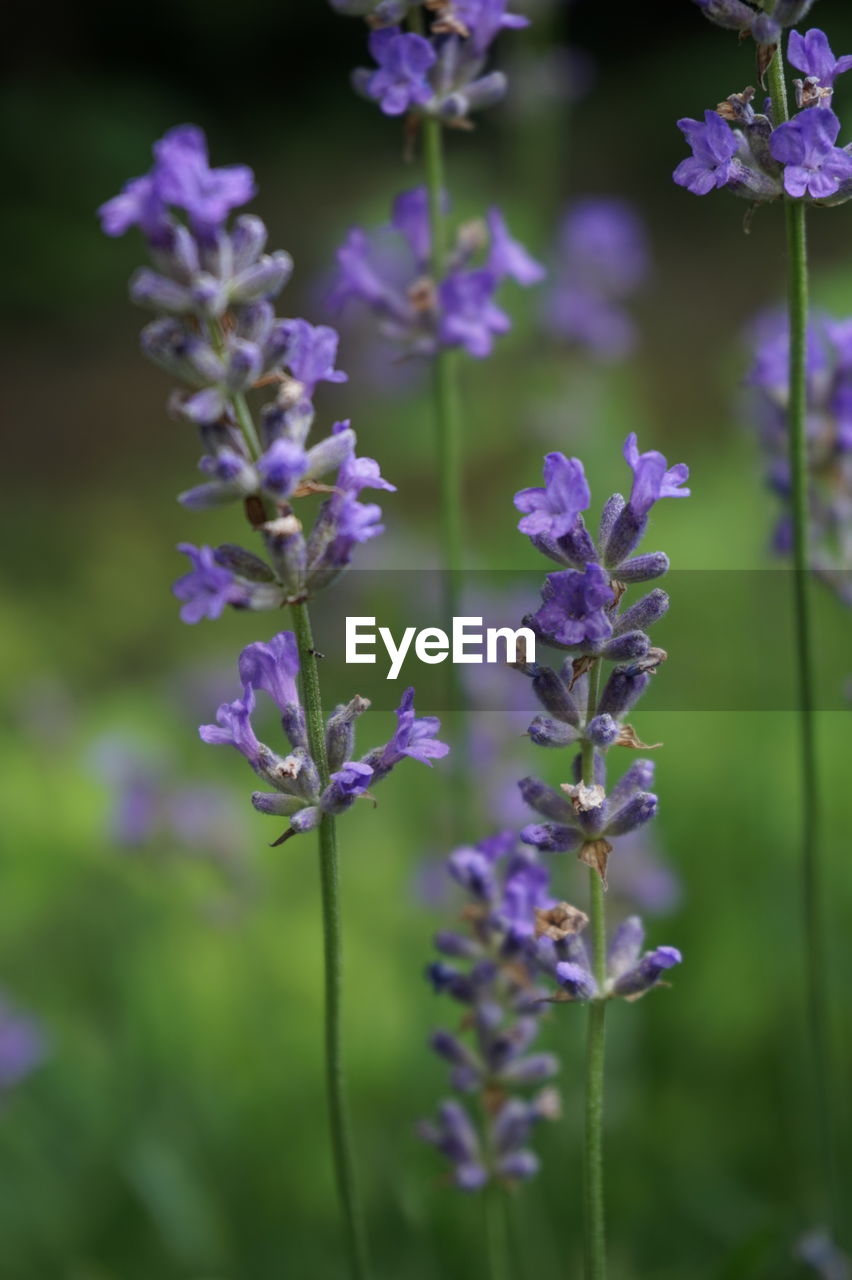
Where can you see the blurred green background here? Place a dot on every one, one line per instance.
(176, 1129)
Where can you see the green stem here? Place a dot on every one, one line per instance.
(593, 1187)
(341, 1141)
(445, 382)
(448, 447)
(496, 1232)
(814, 930)
(247, 424)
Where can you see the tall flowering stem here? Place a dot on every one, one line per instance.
(435, 75)
(581, 614)
(593, 1187)
(792, 156)
(211, 286)
(445, 381)
(335, 1083)
(797, 416)
(449, 449)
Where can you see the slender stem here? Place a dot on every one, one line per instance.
(341, 1141)
(593, 1186)
(247, 424)
(814, 930)
(496, 1233)
(448, 447)
(447, 425)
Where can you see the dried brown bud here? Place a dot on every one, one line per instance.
(579, 667)
(560, 921)
(595, 854)
(583, 797)
(548, 1103)
(765, 54)
(627, 737)
(421, 294)
(283, 527)
(732, 109)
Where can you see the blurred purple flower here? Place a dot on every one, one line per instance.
(23, 1046)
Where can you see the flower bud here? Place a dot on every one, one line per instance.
(626, 647)
(340, 731)
(243, 563)
(641, 568)
(545, 800)
(644, 613)
(545, 732)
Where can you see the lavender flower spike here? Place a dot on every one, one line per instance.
(552, 511)
(511, 905)
(714, 147)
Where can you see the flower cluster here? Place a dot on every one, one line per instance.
(216, 332)
(298, 792)
(602, 259)
(22, 1046)
(751, 155)
(630, 972)
(388, 273)
(441, 75)
(748, 19)
(508, 907)
(829, 437)
(581, 613)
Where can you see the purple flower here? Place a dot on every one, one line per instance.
(573, 609)
(604, 246)
(184, 178)
(207, 588)
(140, 204)
(272, 667)
(181, 176)
(469, 316)
(629, 973)
(233, 728)
(410, 217)
(552, 511)
(414, 737)
(22, 1046)
(711, 164)
(404, 60)
(311, 352)
(282, 467)
(812, 54)
(508, 257)
(485, 19)
(345, 786)
(652, 477)
(813, 165)
(603, 258)
(455, 1137)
